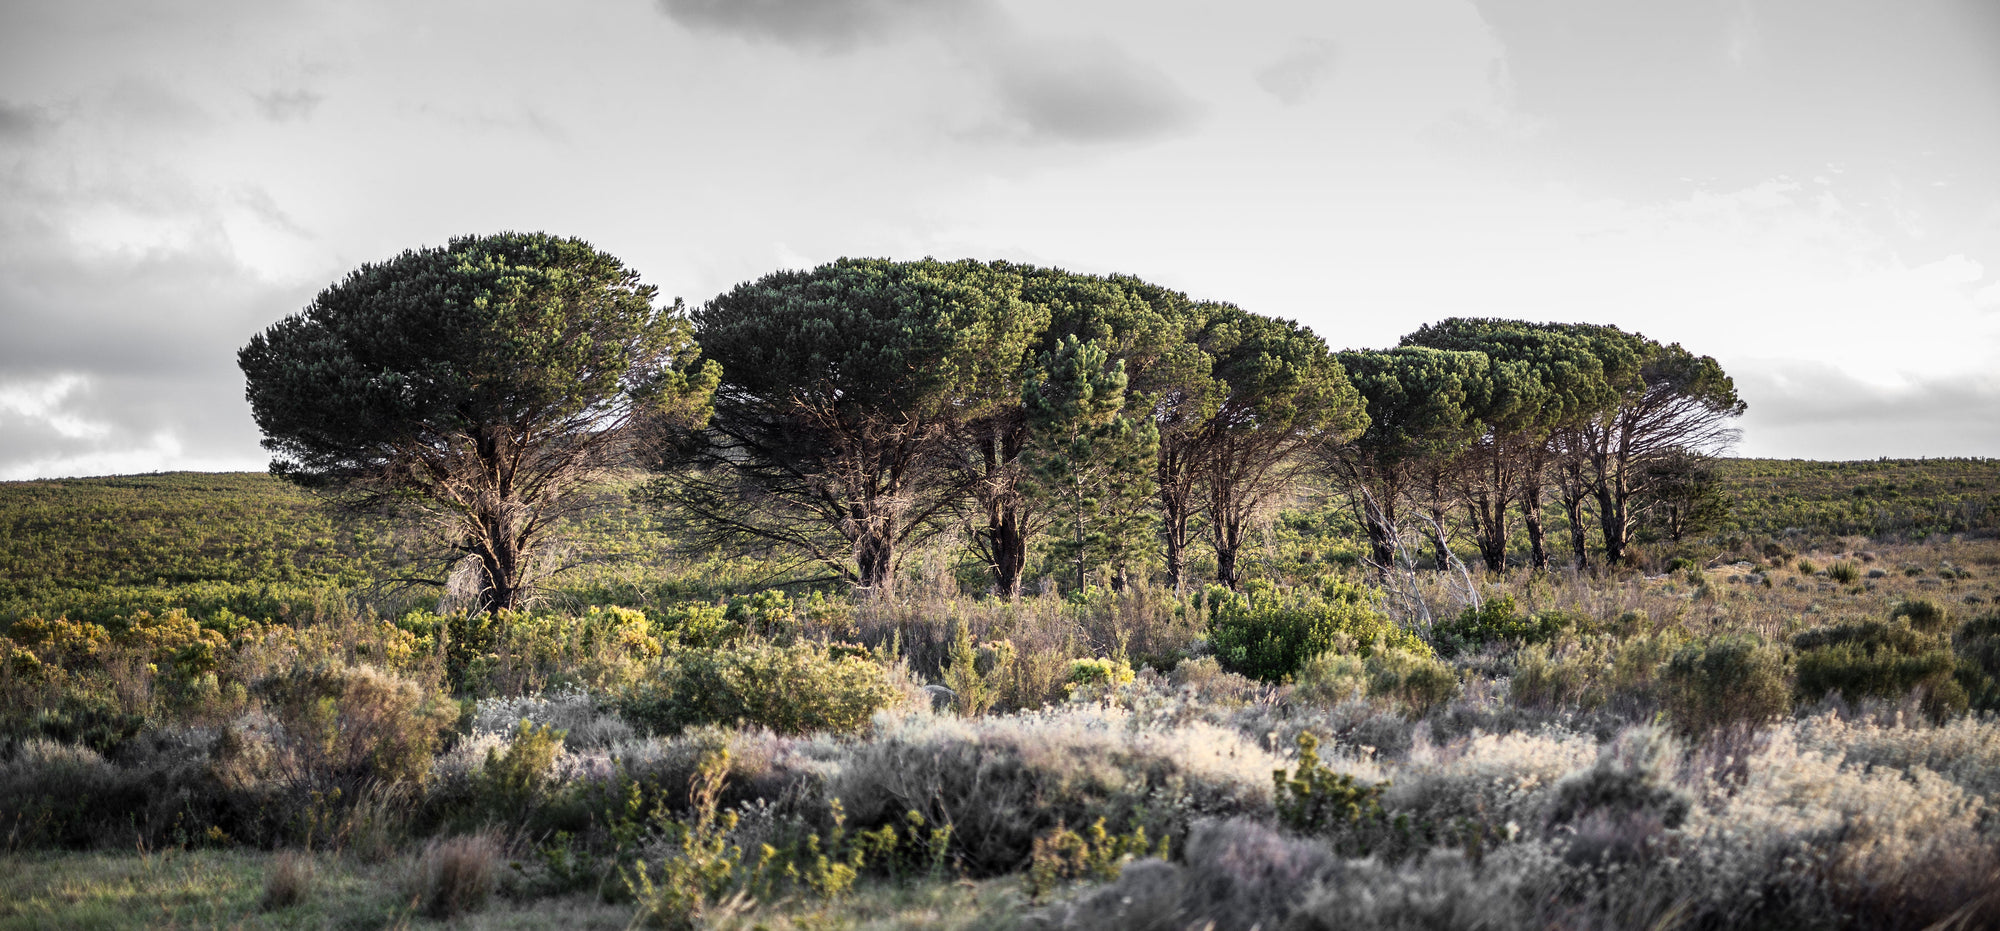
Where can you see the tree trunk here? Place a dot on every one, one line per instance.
(1009, 543)
(1489, 530)
(1531, 510)
(1174, 534)
(875, 557)
(1228, 534)
(1381, 530)
(1611, 520)
(1531, 518)
(1579, 533)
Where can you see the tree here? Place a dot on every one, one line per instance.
(1115, 313)
(1684, 496)
(1421, 405)
(479, 383)
(1091, 463)
(1670, 402)
(842, 391)
(1546, 383)
(1283, 394)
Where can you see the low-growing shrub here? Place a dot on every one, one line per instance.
(1418, 682)
(1616, 809)
(1977, 644)
(351, 724)
(1496, 621)
(1313, 799)
(1877, 660)
(1724, 681)
(1924, 614)
(1099, 673)
(1270, 635)
(1844, 572)
(789, 689)
(1062, 856)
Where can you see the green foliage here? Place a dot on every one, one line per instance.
(1725, 681)
(1313, 799)
(1924, 614)
(1496, 621)
(1844, 572)
(841, 386)
(1977, 643)
(1419, 682)
(1877, 660)
(483, 381)
(1267, 634)
(1909, 498)
(1064, 856)
(795, 689)
(350, 724)
(508, 783)
(1099, 673)
(1087, 462)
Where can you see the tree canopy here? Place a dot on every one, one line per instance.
(479, 382)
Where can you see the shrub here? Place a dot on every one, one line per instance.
(789, 689)
(1002, 782)
(1270, 635)
(1806, 567)
(1326, 679)
(1063, 855)
(356, 723)
(1844, 572)
(1614, 809)
(1924, 614)
(1419, 682)
(1724, 681)
(1099, 673)
(1495, 621)
(1313, 799)
(1878, 660)
(695, 624)
(1977, 644)
(509, 783)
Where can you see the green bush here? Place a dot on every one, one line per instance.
(1879, 660)
(1924, 614)
(356, 723)
(1977, 644)
(1497, 622)
(1270, 635)
(1725, 681)
(1418, 682)
(1099, 673)
(1313, 799)
(1846, 573)
(793, 689)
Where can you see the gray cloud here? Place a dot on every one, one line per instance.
(1089, 92)
(825, 25)
(1292, 78)
(1820, 412)
(1044, 89)
(285, 106)
(22, 121)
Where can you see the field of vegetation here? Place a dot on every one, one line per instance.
(221, 707)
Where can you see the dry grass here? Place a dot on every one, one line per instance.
(455, 875)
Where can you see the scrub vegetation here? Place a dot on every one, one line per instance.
(1120, 610)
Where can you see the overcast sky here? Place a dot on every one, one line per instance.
(1808, 190)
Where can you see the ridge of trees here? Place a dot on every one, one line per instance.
(867, 405)
(849, 413)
